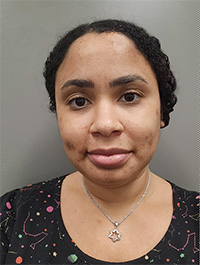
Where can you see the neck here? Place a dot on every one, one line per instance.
(121, 195)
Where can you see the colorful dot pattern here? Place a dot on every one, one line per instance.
(32, 230)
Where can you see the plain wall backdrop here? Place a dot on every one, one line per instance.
(31, 147)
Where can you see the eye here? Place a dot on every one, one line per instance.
(129, 97)
(78, 102)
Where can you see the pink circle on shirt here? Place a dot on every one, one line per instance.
(8, 205)
(49, 209)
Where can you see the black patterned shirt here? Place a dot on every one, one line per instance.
(32, 230)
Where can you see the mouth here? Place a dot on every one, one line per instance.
(109, 158)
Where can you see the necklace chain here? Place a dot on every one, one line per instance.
(116, 224)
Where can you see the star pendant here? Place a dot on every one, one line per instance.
(115, 235)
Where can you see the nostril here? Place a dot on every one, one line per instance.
(117, 132)
(107, 134)
(106, 128)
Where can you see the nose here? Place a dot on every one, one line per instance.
(106, 121)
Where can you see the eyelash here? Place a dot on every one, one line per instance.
(74, 105)
(136, 96)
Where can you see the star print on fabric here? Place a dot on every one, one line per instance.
(115, 235)
(37, 208)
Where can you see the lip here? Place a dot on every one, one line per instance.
(109, 158)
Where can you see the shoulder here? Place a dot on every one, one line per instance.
(15, 198)
(186, 208)
(16, 201)
(185, 196)
(183, 240)
(18, 205)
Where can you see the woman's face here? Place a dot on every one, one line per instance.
(108, 108)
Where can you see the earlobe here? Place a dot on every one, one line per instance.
(162, 124)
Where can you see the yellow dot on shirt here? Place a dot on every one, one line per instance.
(146, 257)
(54, 254)
(37, 213)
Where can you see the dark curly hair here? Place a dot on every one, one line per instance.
(148, 45)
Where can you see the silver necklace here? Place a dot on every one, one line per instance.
(115, 235)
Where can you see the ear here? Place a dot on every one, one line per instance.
(162, 124)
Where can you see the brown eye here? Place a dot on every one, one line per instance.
(78, 102)
(129, 97)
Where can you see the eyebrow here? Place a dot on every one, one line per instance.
(127, 79)
(78, 83)
(116, 82)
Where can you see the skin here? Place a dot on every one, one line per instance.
(106, 121)
(107, 98)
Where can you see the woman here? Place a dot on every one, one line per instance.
(112, 90)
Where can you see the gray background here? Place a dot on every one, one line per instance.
(31, 147)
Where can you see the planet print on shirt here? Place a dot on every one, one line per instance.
(33, 231)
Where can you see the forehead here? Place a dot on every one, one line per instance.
(107, 47)
(93, 43)
(96, 41)
(104, 56)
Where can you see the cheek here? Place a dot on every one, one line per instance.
(152, 133)
(67, 139)
(146, 144)
(69, 146)
(148, 138)
(146, 131)
(152, 138)
(72, 134)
